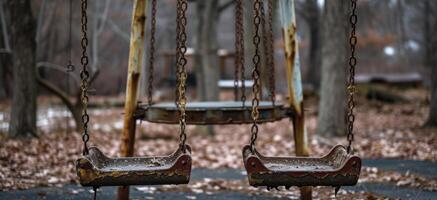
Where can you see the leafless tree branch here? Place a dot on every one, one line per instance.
(97, 30)
(103, 18)
(58, 68)
(125, 36)
(56, 91)
(74, 108)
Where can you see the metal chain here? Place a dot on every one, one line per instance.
(70, 67)
(152, 53)
(264, 43)
(351, 82)
(182, 74)
(178, 44)
(237, 49)
(270, 55)
(241, 59)
(255, 74)
(84, 75)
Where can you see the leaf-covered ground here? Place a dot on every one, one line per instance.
(382, 131)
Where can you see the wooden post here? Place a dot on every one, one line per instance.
(133, 77)
(294, 82)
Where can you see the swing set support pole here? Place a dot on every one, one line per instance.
(294, 82)
(133, 79)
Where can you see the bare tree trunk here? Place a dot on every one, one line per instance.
(3, 75)
(200, 87)
(206, 59)
(248, 39)
(2, 88)
(5, 72)
(430, 30)
(23, 113)
(207, 47)
(432, 117)
(44, 38)
(312, 18)
(331, 119)
(5, 54)
(5, 63)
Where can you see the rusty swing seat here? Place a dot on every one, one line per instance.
(96, 169)
(213, 112)
(337, 168)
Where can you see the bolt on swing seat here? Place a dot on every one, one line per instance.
(96, 169)
(337, 168)
(213, 112)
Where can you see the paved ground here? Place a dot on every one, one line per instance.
(109, 193)
(424, 168)
(73, 192)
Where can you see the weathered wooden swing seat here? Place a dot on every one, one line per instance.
(213, 112)
(97, 170)
(337, 168)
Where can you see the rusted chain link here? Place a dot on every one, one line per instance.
(152, 54)
(178, 29)
(264, 45)
(351, 82)
(182, 74)
(70, 66)
(241, 59)
(237, 49)
(84, 75)
(255, 73)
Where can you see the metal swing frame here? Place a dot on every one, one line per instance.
(217, 112)
(213, 112)
(134, 111)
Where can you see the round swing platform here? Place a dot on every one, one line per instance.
(96, 169)
(337, 168)
(213, 112)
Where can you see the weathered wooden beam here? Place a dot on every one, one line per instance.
(294, 82)
(133, 78)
